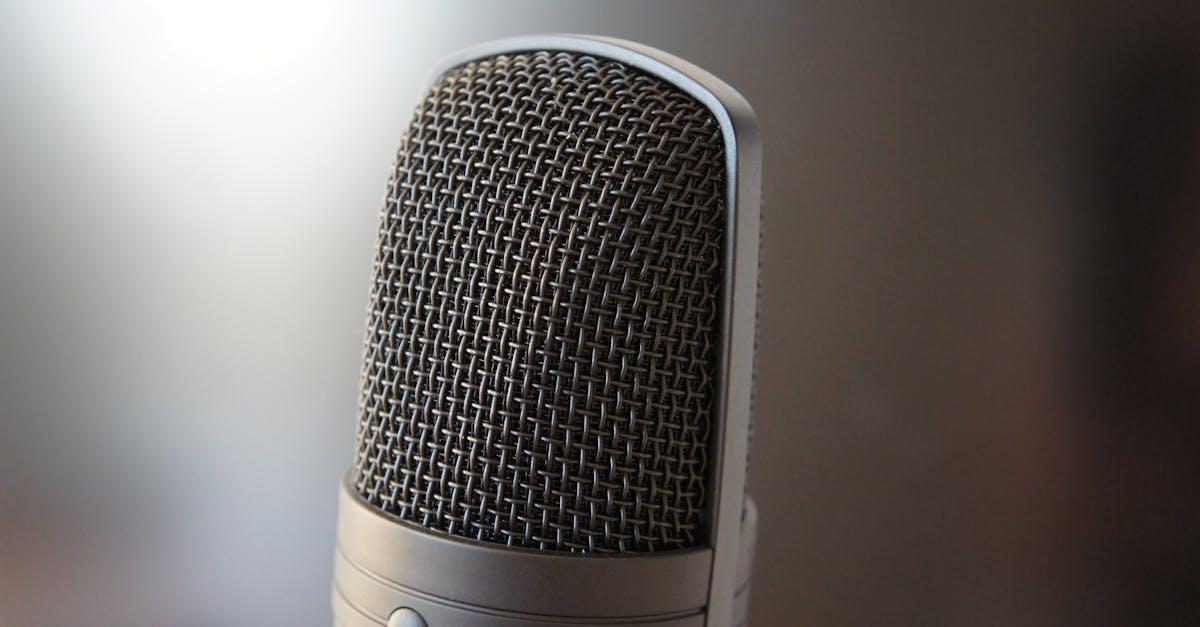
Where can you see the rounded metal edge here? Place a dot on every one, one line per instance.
(749, 538)
(741, 597)
(375, 602)
(465, 573)
(743, 150)
(346, 614)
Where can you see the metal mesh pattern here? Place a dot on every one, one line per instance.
(542, 336)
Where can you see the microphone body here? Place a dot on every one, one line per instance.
(558, 371)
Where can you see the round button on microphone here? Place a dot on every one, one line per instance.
(406, 617)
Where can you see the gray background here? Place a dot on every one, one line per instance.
(188, 201)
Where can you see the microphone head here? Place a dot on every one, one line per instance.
(542, 354)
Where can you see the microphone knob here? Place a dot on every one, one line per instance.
(406, 617)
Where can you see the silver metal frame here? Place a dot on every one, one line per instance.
(450, 581)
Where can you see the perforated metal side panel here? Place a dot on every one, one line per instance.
(541, 341)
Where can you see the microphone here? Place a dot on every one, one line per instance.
(558, 366)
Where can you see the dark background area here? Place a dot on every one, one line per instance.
(980, 329)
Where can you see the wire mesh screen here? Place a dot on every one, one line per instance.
(542, 336)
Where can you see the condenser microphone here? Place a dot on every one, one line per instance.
(558, 365)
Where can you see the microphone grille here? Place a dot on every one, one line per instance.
(543, 328)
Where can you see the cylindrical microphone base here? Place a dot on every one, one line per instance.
(384, 564)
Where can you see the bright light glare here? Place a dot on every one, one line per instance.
(238, 36)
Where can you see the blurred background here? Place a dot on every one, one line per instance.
(980, 367)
